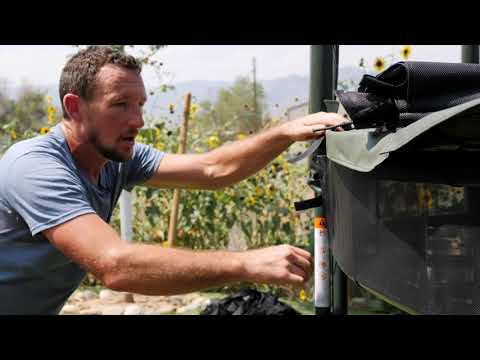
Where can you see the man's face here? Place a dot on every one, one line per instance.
(114, 114)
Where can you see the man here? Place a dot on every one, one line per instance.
(57, 193)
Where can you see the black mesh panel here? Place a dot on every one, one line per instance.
(410, 229)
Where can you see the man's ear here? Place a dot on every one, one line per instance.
(71, 103)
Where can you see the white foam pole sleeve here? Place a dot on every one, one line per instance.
(322, 268)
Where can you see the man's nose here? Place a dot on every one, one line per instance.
(136, 119)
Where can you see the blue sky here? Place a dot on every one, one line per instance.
(40, 65)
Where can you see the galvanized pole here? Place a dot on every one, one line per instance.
(323, 83)
(470, 54)
(126, 225)
(126, 216)
(339, 282)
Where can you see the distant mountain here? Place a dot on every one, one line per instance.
(284, 92)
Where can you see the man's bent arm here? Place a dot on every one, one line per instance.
(236, 161)
(153, 270)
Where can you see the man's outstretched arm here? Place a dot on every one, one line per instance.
(236, 161)
(153, 270)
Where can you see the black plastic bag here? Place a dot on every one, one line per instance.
(249, 302)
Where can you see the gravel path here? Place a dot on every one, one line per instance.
(108, 302)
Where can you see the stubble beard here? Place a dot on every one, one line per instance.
(107, 152)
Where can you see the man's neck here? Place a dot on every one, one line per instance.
(84, 154)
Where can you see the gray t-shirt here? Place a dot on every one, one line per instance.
(41, 187)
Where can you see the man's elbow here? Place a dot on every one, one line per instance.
(113, 272)
(218, 177)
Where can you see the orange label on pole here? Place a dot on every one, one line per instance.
(320, 222)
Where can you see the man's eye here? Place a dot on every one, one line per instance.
(120, 104)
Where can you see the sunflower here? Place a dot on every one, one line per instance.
(241, 136)
(52, 114)
(44, 130)
(213, 142)
(171, 108)
(251, 201)
(302, 295)
(406, 51)
(379, 64)
(193, 109)
(270, 189)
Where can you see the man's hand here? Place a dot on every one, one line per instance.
(302, 129)
(279, 265)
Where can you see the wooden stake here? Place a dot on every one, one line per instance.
(172, 228)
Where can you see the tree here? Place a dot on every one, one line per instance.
(26, 112)
(235, 112)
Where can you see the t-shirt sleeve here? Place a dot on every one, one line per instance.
(142, 166)
(45, 192)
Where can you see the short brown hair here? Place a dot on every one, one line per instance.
(78, 74)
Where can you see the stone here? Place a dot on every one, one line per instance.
(161, 309)
(188, 308)
(133, 309)
(204, 305)
(91, 311)
(128, 298)
(76, 296)
(88, 295)
(106, 294)
(69, 309)
(113, 310)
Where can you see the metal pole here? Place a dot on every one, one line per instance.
(126, 226)
(126, 216)
(340, 294)
(339, 281)
(321, 65)
(323, 83)
(470, 54)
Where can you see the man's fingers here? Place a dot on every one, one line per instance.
(295, 279)
(294, 269)
(303, 263)
(325, 119)
(302, 252)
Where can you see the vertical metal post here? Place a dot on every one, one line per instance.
(323, 83)
(126, 226)
(126, 216)
(339, 281)
(470, 54)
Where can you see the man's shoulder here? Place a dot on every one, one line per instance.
(33, 155)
